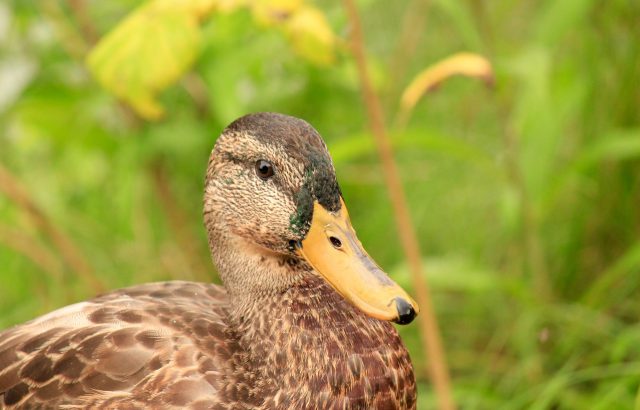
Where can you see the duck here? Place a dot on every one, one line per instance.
(304, 319)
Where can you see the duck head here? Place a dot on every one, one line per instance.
(274, 210)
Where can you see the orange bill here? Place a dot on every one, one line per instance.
(333, 249)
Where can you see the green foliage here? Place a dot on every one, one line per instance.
(154, 46)
(525, 197)
(148, 51)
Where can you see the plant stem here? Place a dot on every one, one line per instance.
(70, 253)
(430, 332)
(413, 24)
(178, 221)
(531, 245)
(81, 15)
(69, 38)
(28, 246)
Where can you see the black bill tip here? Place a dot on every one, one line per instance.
(406, 313)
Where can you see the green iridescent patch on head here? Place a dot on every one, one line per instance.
(324, 184)
(319, 185)
(301, 220)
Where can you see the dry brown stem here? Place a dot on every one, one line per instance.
(531, 245)
(413, 23)
(68, 250)
(32, 250)
(40, 256)
(72, 43)
(178, 221)
(197, 89)
(431, 338)
(81, 15)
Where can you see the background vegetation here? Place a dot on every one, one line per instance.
(525, 196)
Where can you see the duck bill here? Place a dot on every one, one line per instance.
(333, 249)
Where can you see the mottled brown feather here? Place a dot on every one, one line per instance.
(344, 355)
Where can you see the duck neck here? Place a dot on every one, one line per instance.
(251, 273)
(306, 346)
(299, 343)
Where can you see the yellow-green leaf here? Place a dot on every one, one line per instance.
(147, 52)
(467, 64)
(311, 36)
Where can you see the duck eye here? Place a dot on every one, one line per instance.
(264, 169)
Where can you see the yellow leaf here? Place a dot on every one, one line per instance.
(147, 52)
(311, 36)
(273, 12)
(467, 64)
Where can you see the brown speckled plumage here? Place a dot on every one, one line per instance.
(276, 337)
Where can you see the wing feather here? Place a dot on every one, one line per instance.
(145, 344)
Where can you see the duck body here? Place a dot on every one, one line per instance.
(282, 334)
(174, 345)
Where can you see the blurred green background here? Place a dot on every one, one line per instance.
(525, 195)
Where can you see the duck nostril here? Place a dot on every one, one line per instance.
(335, 242)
